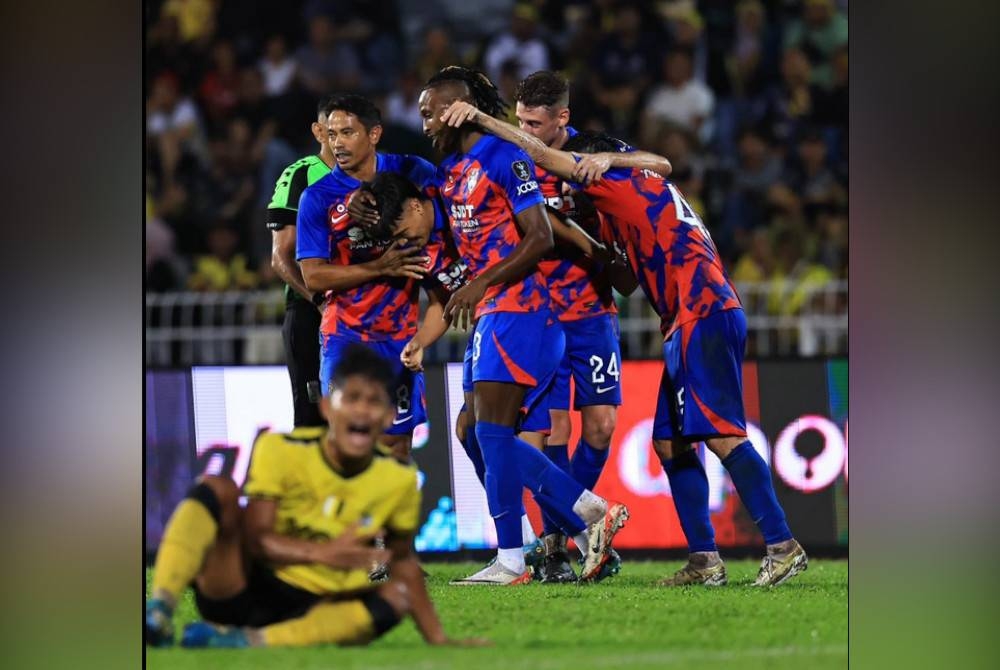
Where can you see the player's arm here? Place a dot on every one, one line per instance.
(621, 277)
(283, 261)
(558, 162)
(312, 250)
(432, 327)
(346, 552)
(592, 167)
(405, 568)
(535, 242)
(568, 231)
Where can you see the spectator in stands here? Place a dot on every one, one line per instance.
(196, 18)
(437, 53)
(277, 67)
(809, 180)
(748, 202)
(234, 174)
(821, 31)
(757, 262)
(520, 43)
(795, 275)
(173, 126)
(223, 268)
(831, 226)
(680, 100)
(219, 88)
(401, 104)
(687, 31)
(165, 51)
(621, 68)
(164, 267)
(752, 60)
(324, 63)
(794, 102)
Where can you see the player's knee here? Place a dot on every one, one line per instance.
(462, 426)
(664, 448)
(397, 595)
(221, 496)
(598, 428)
(560, 428)
(723, 446)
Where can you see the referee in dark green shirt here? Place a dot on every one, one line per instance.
(300, 330)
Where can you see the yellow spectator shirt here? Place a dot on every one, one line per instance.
(315, 502)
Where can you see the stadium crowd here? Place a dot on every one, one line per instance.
(747, 99)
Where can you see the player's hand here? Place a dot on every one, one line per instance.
(602, 254)
(591, 168)
(459, 112)
(399, 261)
(412, 356)
(461, 308)
(361, 208)
(349, 551)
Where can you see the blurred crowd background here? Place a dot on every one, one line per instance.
(748, 99)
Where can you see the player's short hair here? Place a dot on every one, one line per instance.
(543, 89)
(360, 361)
(485, 95)
(588, 142)
(391, 191)
(368, 114)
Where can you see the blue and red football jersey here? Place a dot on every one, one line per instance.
(382, 309)
(668, 247)
(481, 191)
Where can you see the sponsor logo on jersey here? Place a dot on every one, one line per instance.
(520, 169)
(527, 187)
(338, 214)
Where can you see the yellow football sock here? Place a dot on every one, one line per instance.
(347, 622)
(188, 536)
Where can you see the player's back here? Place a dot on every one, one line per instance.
(316, 502)
(669, 248)
(482, 191)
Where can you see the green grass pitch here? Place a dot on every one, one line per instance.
(625, 622)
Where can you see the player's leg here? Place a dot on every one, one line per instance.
(300, 334)
(201, 545)
(595, 359)
(507, 349)
(714, 356)
(347, 622)
(556, 568)
(687, 477)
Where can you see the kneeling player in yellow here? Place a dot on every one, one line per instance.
(292, 569)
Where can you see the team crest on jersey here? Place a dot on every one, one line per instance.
(471, 181)
(521, 171)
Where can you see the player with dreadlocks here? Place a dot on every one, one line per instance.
(498, 219)
(704, 336)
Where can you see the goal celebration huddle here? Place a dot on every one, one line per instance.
(518, 236)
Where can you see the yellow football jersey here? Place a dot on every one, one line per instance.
(316, 502)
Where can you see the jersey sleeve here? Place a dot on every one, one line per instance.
(287, 191)
(264, 475)
(312, 240)
(405, 518)
(514, 171)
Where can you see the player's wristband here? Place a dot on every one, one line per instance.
(319, 299)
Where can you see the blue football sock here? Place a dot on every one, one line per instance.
(558, 454)
(689, 488)
(475, 454)
(540, 476)
(503, 481)
(568, 524)
(588, 464)
(752, 479)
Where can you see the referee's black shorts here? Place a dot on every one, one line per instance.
(300, 333)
